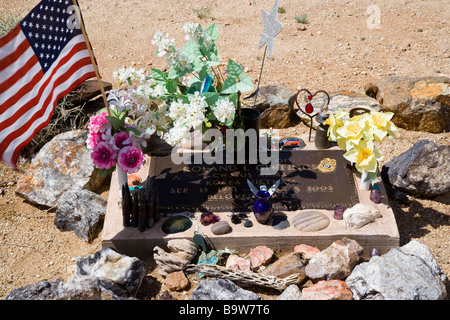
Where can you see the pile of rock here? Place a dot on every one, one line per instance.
(338, 272)
(418, 103)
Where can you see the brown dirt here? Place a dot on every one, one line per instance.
(337, 51)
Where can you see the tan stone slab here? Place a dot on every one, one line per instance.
(382, 233)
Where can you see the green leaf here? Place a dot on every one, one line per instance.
(245, 85)
(159, 76)
(213, 32)
(182, 97)
(237, 80)
(192, 50)
(135, 130)
(213, 59)
(211, 116)
(194, 87)
(211, 98)
(115, 122)
(204, 72)
(172, 85)
(234, 70)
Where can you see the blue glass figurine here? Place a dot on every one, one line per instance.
(262, 208)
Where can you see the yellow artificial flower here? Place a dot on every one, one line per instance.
(334, 123)
(381, 125)
(351, 131)
(365, 156)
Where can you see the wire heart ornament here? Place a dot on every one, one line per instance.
(312, 108)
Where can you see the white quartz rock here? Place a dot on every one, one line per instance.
(359, 215)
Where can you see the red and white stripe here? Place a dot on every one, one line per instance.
(27, 95)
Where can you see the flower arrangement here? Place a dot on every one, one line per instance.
(194, 93)
(357, 136)
(202, 95)
(114, 140)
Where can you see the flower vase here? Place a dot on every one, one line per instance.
(364, 184)
(122, 178)
(262, 208)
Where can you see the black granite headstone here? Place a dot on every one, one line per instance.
(316, 179)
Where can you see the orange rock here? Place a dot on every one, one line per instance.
(176, 281)
(260, 255)
(307, 251)
(328, 290)
(238, 263)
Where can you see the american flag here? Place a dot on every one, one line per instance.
(41, 60)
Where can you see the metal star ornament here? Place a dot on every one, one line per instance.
(272, 27)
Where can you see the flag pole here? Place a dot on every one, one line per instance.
(94, 63)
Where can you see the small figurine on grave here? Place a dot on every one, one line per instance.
(262, 208)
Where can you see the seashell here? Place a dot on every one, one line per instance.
(260, 255)
(359, 215)
(221, 227)
(176, 224)
(310, 221)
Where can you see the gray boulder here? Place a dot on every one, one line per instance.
(403, 273)
(423, 170)
(221, 289)
(62, 165)
(106, 275)
(116, 272)
(344, 100)
(87, 289)
(82, 211)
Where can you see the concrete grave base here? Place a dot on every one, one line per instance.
(381, 234)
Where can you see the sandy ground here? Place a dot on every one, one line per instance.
(341, 49)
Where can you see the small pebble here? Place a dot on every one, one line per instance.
(221, 227)
(248, 224)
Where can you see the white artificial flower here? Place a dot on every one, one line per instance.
(177, 111)
(158, 91)
(119, 100)
(177, 134)
(128, 121)
(224, 110)
(190, 28)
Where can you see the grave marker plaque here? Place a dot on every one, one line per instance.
(310, 179)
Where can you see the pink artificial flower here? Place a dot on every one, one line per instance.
(130, 159)
(103, 156)
(93, 139)
(122, 139)
(98, 123)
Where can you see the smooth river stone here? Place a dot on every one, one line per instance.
(311, 221)
(221, 227)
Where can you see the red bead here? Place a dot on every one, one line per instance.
(309, 98)
(309, 108)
